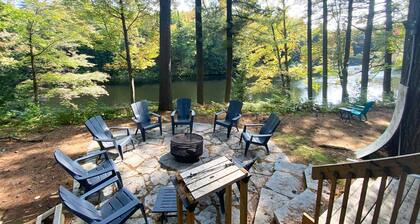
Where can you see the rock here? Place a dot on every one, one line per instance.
(200, 127)
(264, 168)
(207, 216)
(132, 159)
(259, 180)
(222, 150)
(288, 167)
(285, 184)
(292, 212)
(138, 221)
(269, 202)
(310, 183)
(135, 184)
(159, 177)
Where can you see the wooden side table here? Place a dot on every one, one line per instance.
(198, 182)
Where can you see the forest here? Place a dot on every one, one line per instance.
(55, 53)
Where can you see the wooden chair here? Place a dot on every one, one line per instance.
(102, 134)
(143, 120)
(184, 114)
(267, 130)
(233, 114)
(117, 209)
(88, 179)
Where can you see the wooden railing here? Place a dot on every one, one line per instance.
(397, 167)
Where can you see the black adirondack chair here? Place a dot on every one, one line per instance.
(88, 179)
(184, 114)
(102, 134)
(117, 209)
(143, 120)
(266, 131)
(221, 193)
(233, 114)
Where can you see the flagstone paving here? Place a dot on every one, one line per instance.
(274, 182)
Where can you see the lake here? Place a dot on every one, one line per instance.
(214, 89)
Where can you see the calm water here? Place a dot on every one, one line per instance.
(214, 89)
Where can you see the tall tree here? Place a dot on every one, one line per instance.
(366, 51)
(285, 46)
(229, 49)
(345, 70)
(50, 34)
(199, 54)
(324, 51)
(309, 45)
(388, 51)
(165, 91)
(120, 16)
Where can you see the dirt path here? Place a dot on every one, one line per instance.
(30, 176)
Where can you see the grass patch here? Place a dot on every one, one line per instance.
(299, 149)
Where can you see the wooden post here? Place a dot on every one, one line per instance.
(228, 204)
(243, 201)
(179, 208)
(190, 217)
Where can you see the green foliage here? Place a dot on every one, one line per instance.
(67, 86)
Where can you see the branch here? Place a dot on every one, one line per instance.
(47, 47)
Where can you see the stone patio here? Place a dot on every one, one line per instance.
(274, 183)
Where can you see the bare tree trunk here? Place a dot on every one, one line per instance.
(388, 52)
(366, 51)
(345, 70)
(165, 92)
(33, 67)
(229, 50)
(278, 54)
(309, 45)
(199, 55)
(127, 53)
(324, 52)
(286, 48)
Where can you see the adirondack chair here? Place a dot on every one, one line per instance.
(361, 111)
(117, 209)
(266, 131)
(102, 134)
(88, 179)
(184, 114)
(233, 114)
(142, 118)
(221, 193)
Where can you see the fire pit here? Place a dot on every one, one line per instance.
(187, 148)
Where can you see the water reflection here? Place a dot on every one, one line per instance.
(214, 89)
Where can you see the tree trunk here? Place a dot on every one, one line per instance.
(127, 54)
(366, 51)
(33, 68)
(388, 53)
(165, 92)
(286, 48)
(199, 55)
(278, 53)
(229, 50)
(408, 139)
(345, 70)
(309, 45)
(324, 52)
